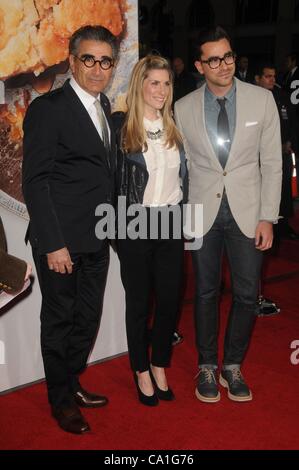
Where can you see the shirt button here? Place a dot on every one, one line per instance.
(224, 173)
(218, 195)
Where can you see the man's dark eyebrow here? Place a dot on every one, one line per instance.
(93, 57)
(218, 57)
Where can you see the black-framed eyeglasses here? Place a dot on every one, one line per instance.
(89, 61)
(214, 62)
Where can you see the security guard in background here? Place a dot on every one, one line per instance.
(290, 85)
(265, 77)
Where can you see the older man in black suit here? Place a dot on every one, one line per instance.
(68, 170)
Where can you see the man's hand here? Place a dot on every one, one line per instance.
(264, 235)
(60, 261)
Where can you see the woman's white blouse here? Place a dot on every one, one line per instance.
(163, 166)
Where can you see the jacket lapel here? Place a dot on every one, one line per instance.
(138, 158)
(241, 110)
(86, 124)
(111, 156)
(199, 119)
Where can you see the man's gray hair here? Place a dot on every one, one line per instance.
(93, 33)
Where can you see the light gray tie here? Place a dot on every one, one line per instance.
(103, 124)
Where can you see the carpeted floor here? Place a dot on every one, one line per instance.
(270, 421)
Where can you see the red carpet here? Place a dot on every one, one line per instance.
(270, 421)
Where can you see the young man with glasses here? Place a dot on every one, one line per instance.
(68, 169)
(232, 139)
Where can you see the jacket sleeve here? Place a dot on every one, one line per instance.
(180, 128)
(39, 150)
(271, 162)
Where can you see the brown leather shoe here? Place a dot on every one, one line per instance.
(89, 400)
(70, 419)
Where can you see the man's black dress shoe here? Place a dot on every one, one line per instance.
(148, 400)
(266, 307)
(70, 419)
(166, 395)
(89, 400)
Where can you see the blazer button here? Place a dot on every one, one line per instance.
(224, 173)
(218, 195)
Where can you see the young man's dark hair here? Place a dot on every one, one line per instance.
(211, 34)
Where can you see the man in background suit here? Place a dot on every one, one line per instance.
(232, 140)
(266, 78)
(291, 74)
(184, 82)
(68, 170)
(290, 84)
(242, 72)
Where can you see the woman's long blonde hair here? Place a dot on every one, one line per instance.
(133, 132)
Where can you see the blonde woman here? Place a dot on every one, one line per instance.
(151, 173)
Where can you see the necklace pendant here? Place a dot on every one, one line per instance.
(154, 135)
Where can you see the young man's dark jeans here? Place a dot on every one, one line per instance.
(245, 267)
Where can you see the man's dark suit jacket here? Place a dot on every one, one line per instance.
(249, 76)
(183, 84)
(66, 172)
(287, 85)
(288, 80)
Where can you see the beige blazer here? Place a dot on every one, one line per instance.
(252, 175)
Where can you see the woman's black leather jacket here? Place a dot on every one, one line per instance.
(132, 175)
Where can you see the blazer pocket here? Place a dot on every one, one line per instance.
(251, 123)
